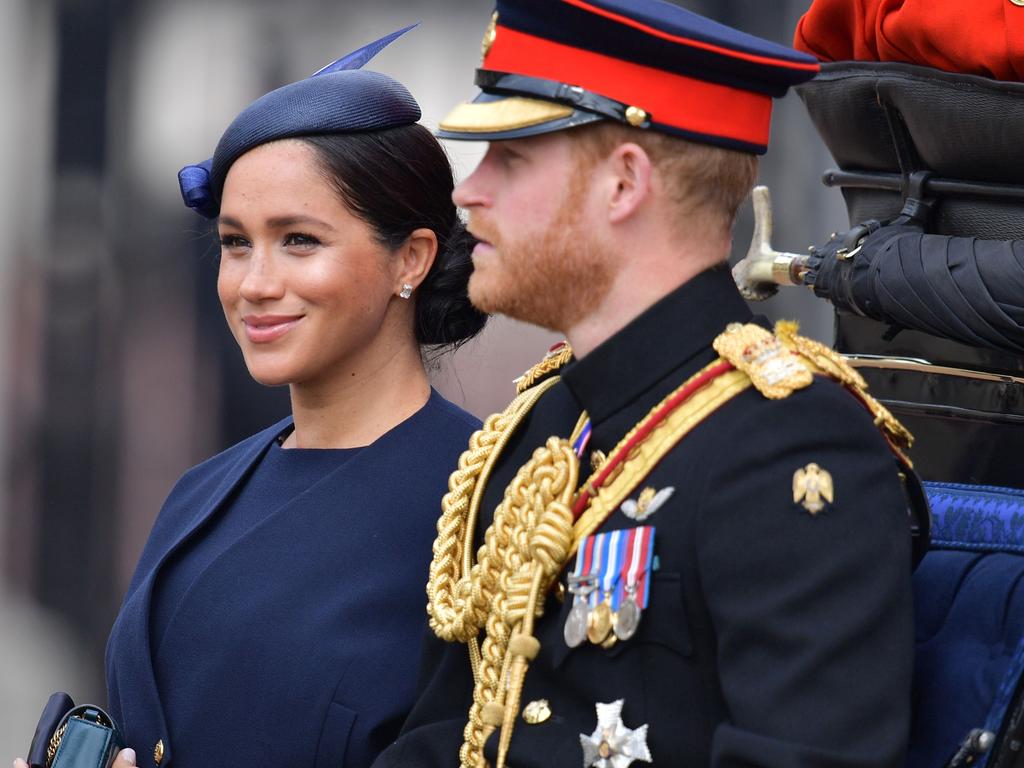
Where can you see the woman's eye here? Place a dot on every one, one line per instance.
(300, 240)
(233, 241)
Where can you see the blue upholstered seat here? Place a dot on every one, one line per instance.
(969, 620)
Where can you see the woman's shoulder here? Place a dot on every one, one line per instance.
(443, 409)
(233, 458)
(431, 440)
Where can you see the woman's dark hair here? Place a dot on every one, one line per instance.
(398, 180)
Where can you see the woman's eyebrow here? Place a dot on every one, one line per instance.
(280, 222)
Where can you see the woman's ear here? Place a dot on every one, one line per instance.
(416, 257)
(631, 173)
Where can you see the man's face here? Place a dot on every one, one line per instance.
(539, 259)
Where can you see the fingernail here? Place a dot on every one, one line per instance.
(129, 756)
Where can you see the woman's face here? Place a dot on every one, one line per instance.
(307, 290)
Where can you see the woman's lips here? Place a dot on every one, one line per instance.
(263, 329)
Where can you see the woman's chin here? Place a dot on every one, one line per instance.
(269, 377)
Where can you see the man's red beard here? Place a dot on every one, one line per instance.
(553, 280)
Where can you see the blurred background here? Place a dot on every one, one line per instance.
(116, 370)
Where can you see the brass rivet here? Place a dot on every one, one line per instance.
(158, 752)
(536, 712)
(635, 116)
(490, 35)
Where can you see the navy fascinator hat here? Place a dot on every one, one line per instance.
(340, 98)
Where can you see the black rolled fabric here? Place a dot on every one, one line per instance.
(959, 288)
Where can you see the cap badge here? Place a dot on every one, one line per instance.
(612, 744)
(646, 504)
(812, 488)
(489, 36)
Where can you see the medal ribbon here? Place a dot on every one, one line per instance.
(637, 559)
(609, 574)
(597, 567)
(579, 445)
(584, 564)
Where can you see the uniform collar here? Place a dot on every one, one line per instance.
(664, 338)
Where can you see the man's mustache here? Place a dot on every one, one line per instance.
(481, 231)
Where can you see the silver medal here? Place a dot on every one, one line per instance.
(575, 629)
(627, 619)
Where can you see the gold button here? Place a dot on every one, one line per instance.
(635, 116)
(158, 752)
(536, 712)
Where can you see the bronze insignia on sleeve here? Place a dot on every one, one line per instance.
(812, 487)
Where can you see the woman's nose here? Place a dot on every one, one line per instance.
(262, 280)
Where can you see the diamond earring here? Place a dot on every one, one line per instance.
(406, 291)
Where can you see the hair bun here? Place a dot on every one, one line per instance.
(444, 314)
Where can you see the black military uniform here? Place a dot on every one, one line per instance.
(773, 636)
(777, 627)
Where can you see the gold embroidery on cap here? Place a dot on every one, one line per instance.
(489, 36)
(503, 115)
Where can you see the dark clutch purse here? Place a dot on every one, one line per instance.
(74, 737)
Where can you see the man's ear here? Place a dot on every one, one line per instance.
(631, 172)
(416, 257)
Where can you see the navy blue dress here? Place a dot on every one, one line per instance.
(277, 611)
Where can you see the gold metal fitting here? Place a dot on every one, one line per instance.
(526, 646)
(636, 116)
(492, 713)
(158, 752)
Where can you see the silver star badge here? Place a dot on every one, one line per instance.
(612, 744)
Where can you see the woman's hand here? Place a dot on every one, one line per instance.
(125, 759)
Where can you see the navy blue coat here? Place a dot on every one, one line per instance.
(298, 645)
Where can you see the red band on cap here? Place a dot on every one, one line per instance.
(808, 66)
(670, 99)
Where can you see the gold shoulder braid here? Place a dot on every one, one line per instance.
(557, 356)
(827, 361)
(456, 615)
(523, 551)
(761, 356)
(533, 534)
